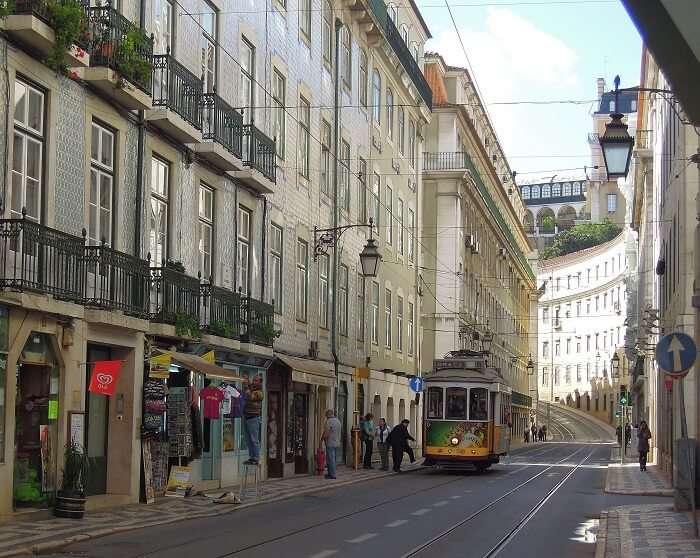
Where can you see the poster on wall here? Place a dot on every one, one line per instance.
(229, 437)
(148, 471)
(76, 422)
(105, 374)
(160, 366)
(179, 484)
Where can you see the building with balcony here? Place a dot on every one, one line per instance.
(476, 278)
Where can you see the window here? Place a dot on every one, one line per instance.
(557, 348)
(344, 201)
(304, 136)
(478, 404)
(411, 227)
(302, 280)
(605, 300)
(556, 190)
(375, 313)
(576, 189)
(546, 191)
(597, 346)
(305, 18)
(389, 204)
(597, 303)
(101, 184)
(409, 329)
(526, 192)
(389, 113)
(612, 106)
(597, 273)
(578, 346)
(325, 158)
(568, 346)
(612, 203)
(393, 12)
(360, 307)
(162, 26)
(545, 314)
(276, 266)
(567, 375)
(279, 97)
(327, 33)
(401, 130)
(28, 155)
(545, 349)
(323, 290)
(374, 210)
(247, 79)
(588, 343)
(362, 190)
(346, 53)
(387, 317)
(556, 376)
(158, 238)
(605, 269)
(363, 78)
(588, 372)
(414, 50)
(435, 403)
(377, 96)
(399, 218)
(567, 189)
(205, 232)
(208, 47)
(404, 33)
(545, 376)
(588, 306)
(399, 323)
(578, 308)
(456, 403)
(343, 296)
(412, 143)
(244, 249)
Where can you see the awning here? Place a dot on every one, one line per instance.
(198, 364)
(310, 371)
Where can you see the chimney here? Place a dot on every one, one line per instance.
(601, 87)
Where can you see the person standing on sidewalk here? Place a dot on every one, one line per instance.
(643, 437)
(534, 432)
(398, 440)
(381, 435)
(544, 432)
(368, 431)
(251, 411)
(331, 437)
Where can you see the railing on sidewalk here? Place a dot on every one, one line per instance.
(173, 295)
(445, 160)
(257, 321)
(221, 311)
(120, 45)
(177, 89)
(36, 258)
(222, 124)
(261, 151)
(116, 281)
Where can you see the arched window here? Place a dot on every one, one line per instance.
(576, 189)
(567, 189)
(534, 192)
(377, 96)
(389, 113)
(526, 192)
(404, 33)
(556, 190)
(546, 191)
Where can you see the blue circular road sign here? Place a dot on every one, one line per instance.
(416, 384)
(676, 353)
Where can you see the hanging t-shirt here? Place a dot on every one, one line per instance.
(212, 398)
(229, 392)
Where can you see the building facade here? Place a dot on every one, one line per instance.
(475, 277)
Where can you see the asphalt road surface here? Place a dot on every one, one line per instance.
(542, 500)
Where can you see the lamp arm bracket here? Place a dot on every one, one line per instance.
(329, 237)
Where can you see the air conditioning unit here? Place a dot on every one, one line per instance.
(313, 349)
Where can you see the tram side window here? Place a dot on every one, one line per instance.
(478, 404)
(456, 403)
(435, 403)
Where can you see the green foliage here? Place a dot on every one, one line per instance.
(263, 331)
(6, 8)
(223, 329)
(580, 237)
(187, 325)
(131, 57)
(67, 18)
(76, 468)
(547, 224)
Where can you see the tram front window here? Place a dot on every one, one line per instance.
(434, 403)
(478, 404)
(456, 404)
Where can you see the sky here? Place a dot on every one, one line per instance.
(539, 50)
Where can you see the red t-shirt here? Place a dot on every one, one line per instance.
(212, 398)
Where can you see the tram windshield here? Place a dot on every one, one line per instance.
(435, 403)
(456, 404)
(478, 404)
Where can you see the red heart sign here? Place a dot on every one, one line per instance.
(105, 374)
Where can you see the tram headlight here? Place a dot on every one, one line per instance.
(454, 441)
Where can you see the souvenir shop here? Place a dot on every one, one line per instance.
(193, 417)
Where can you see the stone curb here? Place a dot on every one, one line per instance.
(602, 535)
(46, 546)
(664, 492)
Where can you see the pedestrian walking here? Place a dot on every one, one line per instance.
(368, 430)
(544, 432)
(526, 436)
(540, 435)
(643, 437)
(381, 435)
(534, 432)
(618, 431)
(628, 435)
(331, 437)
(398, 440)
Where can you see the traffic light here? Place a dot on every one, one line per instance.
(624, 399)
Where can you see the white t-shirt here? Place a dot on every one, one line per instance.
(230, 392)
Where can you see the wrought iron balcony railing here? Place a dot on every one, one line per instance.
(120, 45)
(221, 311)
(177, 89)
(40, 9)
(222, 124)
(116, 281)
(261, 152)
(36, 258)
(174, 295)
(257, 322)
(445, 160)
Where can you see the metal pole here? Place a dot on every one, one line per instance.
(551, 348)
(684, 435)
(334, 278)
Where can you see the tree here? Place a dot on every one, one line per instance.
(548, 224)
(579, 238)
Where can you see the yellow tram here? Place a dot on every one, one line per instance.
(466, 413)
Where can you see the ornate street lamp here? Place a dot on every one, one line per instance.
(615, 365)
(530, 366)
(370, 258)
(616, 143)
(486, 341)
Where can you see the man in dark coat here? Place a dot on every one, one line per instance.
(398, 440)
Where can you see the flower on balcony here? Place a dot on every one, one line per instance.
(74, 76)
(67, 18)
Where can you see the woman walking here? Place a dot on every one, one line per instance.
(368, 432)
(382, 435)
(643, 436)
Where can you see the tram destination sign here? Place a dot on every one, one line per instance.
(447, 364)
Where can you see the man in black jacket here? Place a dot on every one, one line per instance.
(398, 440)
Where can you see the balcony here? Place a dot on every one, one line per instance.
(221, 312)
(121, 59)
(222, 132)
(31, 22)
(257, 322)
(259, 156)
(177, 98)
(175, 300)
(445, 161)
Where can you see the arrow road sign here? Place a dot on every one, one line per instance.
(676, 353)
(416, 384)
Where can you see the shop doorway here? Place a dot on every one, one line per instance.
(297, 428)
(343, 418)
(275, 467)
(97, 426)
(36, 420)
(211, 440)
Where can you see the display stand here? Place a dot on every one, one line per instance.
(246, 473)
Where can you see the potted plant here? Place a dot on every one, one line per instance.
(70, 499)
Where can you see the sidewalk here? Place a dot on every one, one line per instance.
(27, 536)
(628, 479)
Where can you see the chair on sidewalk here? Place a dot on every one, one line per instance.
(246, 474)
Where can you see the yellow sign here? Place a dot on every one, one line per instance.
(362, 373)
(209, 357)
(160, 366)
(179, 482)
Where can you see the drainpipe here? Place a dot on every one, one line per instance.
(140, 155)
(263, 266)
(334, 280)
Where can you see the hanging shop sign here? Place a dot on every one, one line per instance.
(105, 374)
(160, 366)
